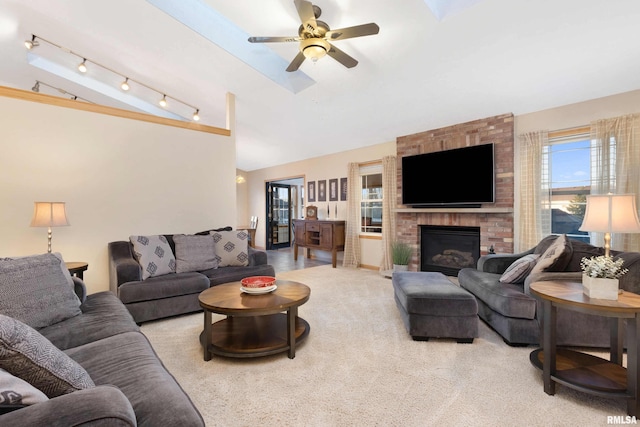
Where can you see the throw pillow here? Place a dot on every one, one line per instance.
(28, 355)
(154, 255)
(194, 253)
(519, 269)
(556, 257)
(37, 290)
(15, 392)
(232, 248)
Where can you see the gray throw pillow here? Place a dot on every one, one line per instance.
(232, 248)
(194, 253)
(154, 255)
(15, 391)
(37, 290)
(28, 355)
(518, 271)
(556, 257)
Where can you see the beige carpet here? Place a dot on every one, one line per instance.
(359, 367)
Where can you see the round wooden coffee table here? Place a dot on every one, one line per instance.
(256, 324)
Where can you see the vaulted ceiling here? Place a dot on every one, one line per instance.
(434, 63)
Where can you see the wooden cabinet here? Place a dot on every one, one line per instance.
(317, 234)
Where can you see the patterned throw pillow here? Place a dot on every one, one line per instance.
(15, 392)
(37, 290)
(154, 255)
(28, 355)
(194, 253)
(520, 269)
(556, 257)
(232, 248)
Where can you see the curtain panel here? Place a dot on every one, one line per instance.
(352, 242)
(389, 199)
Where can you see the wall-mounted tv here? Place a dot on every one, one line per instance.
(463, 177)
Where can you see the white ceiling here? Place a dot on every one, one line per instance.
(425, 69)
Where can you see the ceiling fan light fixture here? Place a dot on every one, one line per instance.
(314, 48)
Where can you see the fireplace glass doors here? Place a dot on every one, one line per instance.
(447, 249)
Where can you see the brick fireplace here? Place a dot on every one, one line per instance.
(494, 220)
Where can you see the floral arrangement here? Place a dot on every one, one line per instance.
(603, 267)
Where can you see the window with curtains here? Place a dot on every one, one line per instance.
(571, 163)
(371, 199)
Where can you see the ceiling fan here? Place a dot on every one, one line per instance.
(315, 37)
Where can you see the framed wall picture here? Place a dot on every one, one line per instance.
(322, 190)
(343, 189)
(311, 191)
(333, 190)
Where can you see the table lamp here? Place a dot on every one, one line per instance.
(49, 214)
(611, 213)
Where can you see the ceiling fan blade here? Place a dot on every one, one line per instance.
(307, 16)
(273, 39)
(342, 57)
(350, 32)
(297, 61)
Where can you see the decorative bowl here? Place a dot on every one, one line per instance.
(258, 281)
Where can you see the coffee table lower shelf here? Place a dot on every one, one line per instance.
(587, 373)
(253, 336)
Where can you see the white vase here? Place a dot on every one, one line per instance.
(398, 267)
(596, 287)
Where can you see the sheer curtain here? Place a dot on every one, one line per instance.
(389, 188)
(351, 241)
(533, 191)
(616, 167)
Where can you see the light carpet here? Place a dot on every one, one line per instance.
(359, 367)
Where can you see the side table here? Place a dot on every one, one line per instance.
(581, 371)
(77, 268)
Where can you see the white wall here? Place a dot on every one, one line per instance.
(118, 177)
(318, 168)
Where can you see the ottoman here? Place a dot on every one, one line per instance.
(431, 306)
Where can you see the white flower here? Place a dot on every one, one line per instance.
(603, 267)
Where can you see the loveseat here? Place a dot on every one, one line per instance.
(199, 262)
(515, 314)
(72, 359)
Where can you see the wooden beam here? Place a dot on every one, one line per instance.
(57, 101)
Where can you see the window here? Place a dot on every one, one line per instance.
(371, 199)
(570, 166)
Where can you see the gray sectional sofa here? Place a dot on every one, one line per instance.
(515, 314)
(92, 368)
(176, 293)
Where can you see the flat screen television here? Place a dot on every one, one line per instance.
(462, 177)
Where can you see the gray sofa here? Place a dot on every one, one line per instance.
(512, 312)
(171, 294)
(132, 387)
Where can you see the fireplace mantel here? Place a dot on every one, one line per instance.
(454, 210)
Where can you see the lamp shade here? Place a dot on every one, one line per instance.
(49, 214)
(611, 213)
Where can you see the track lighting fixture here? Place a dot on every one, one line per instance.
(36, 88)
(30, 44)
(82, 67)
(124, 85)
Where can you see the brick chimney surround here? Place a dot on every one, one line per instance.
(494, 219)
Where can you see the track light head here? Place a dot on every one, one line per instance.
(30, 44)
(82, 67)
(196, 116)
(163, 101)
(36, 87)
(125, 84)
